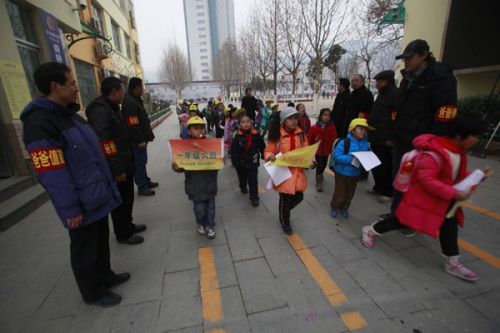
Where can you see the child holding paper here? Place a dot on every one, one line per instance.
(200, 186)
(431, 194)
(346, 174)
(247, 148)
(285, 136)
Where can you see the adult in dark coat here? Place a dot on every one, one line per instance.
(69, 163)
(340, 105)
(103, 114)
(426, 101)
(249, 103)
(380, 139)
(360, 102)
(139, 129)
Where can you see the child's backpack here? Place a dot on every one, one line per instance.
(409, 163)
(347, 146)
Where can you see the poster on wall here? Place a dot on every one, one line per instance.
(53, 37)
(15, 86)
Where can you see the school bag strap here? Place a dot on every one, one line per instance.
(347, 147)
(410, 163)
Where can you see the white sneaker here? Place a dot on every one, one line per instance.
(210, 233)
(202, 230)
(368, 235)
(453, 266)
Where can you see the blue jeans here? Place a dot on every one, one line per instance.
(204, 211)
(141, 175)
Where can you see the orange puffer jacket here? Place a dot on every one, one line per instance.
(298, 181)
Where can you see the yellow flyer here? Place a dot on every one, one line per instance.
(300, 158)
(197, 154)
(15, 86)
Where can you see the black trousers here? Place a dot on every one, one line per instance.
(287, 203)
(249, 175)
(321, 162)
(448, 234)
(122, 215)
(90, 258)
(382, 174)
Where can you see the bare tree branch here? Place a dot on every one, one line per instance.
(175, 71)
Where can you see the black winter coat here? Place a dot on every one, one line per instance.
(136, 119)
(339, 111)
(255, 151)
(360, 103)
(381, 116)
(201, 185)
(105, 118)
(424, 106)
(249, 104)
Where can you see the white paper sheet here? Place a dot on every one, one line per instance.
(472, 179)
(278, 173)
(367, 158)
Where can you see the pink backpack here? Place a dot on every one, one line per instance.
(409, 163)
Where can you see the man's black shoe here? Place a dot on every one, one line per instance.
(255, 202)
(132, 240)
(287, 230)
(107, 299)
(138, 228)
(118, 279)
(244, 190)
(147, 193)
(152, 184)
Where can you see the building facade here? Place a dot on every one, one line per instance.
(95, 38)
(209, 23)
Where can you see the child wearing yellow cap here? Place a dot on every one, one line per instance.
(346, 174)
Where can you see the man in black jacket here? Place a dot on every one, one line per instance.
(426, 101)
(249, 103)
(340, 106)
(103, 114)
(380, 139)
(139, 129)
(360, 102)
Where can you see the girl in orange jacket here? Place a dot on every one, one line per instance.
(284, 136)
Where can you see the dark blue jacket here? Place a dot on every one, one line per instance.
(68, 161)
(344, 166)
(254, 153)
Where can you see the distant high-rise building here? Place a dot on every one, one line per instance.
(209, 23)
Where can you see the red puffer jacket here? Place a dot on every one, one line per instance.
(425, 204)
(327, 135)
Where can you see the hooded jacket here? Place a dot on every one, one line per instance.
(105, 118)
(425, 204)
(240, 156)
(344, 166)
(68, 161)
(327, 135)
(381, 116)
(425, 105)
(298, 181)
(136, 119)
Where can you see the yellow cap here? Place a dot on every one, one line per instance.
(359, 122)
(195, 121)
(268, 100)
(193, 107)
(216, 101)
(179, 102)
(195, 103)
(226, 111)
(240, 111)
(275, 105)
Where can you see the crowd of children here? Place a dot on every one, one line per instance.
(291, 129)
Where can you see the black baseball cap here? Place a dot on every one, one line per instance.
(416, 46)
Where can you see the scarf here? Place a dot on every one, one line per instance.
(448, 144)
(292, 138)
(249, 140)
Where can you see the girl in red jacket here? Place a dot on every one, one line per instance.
(431, 194)
(323, 131)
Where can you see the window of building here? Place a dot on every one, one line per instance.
(201, 21)
(96, 13)
(127, 46)
(203, 43)
(137, 53)
(27, 43)
(202, 36)
(203, 50)
(202, 29)
(200, 14)
(200, 7)
(131, 14)
(123, 6)
(204, 64)
(204, 70)
(116, 37)
(205, 78)
(203, 57)
(86, 81)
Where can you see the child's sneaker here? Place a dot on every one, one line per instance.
(334, 213)
(344, 213)
(210, 233)
(201, 230)
(453, 266)
(287, 230)
(368, 235)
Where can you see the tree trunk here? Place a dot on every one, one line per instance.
(294, 86)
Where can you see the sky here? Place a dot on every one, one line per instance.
(161, 22)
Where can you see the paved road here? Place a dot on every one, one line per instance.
(252, 278)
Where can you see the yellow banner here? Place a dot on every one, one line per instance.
(300, 158)
(197, 154)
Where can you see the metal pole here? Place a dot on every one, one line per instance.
(492, 136)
